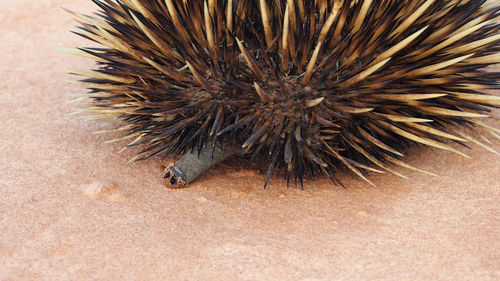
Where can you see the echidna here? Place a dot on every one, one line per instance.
(309, 86)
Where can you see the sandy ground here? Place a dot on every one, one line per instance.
(71, 208)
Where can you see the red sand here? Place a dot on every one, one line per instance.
(73, 209)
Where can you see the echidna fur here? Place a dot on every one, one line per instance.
(310, 87)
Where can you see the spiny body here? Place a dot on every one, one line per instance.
(310, 86)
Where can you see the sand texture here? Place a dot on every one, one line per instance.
(71, 208)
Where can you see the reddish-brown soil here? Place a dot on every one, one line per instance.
(71, 208)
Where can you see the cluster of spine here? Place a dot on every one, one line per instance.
(310, 86)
